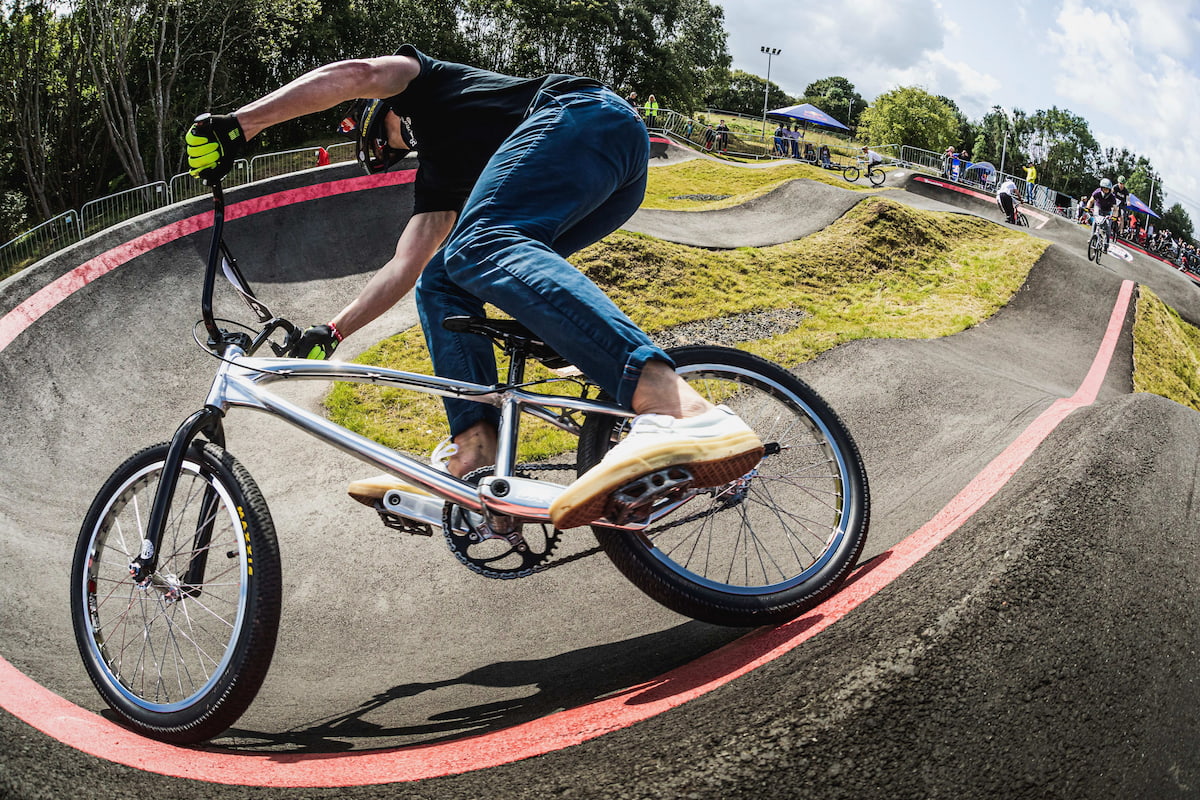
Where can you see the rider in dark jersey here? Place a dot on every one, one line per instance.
(1122, 194)
(514, 175)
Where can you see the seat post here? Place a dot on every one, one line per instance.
(510, 411)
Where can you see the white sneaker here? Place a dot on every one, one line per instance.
(716, 447)
(368, 490)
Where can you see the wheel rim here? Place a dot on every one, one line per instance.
(779, 525)
(163, 646)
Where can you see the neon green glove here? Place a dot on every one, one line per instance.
(214, 143)
(319, 341)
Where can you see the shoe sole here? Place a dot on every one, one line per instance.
(712, 463)
(371, 490)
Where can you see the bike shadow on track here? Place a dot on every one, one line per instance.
(634, 666)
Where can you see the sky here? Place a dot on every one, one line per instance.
(1131, 69)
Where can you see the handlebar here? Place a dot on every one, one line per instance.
(219, 256)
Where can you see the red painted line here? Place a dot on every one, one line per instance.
(15, 322)
(91, 734)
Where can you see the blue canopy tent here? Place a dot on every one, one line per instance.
(982, 173)
(1138, 205)
(807, 112)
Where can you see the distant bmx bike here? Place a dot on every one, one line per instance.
(1099, 239)
(874, 174)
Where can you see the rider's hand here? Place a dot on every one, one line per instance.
(214, 143)
(319, 341)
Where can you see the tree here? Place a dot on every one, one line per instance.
(674, 49)
(1062, 147)
(998, 139)
(1178, 221)
(745, 94)
(912, 116)
(835, 96)
(966, 130)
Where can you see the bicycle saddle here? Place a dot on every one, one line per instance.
(509, 335)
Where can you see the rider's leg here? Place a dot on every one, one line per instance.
(525, 213)
(572, 172)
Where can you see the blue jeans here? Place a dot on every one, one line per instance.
(571, 173)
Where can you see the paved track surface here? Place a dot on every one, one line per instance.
(1045, 649)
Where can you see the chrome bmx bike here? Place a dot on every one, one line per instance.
(176, 581)
(1100, 237)
(874, 174)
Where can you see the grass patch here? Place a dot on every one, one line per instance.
(1166, 352)
(883, 270)
(704, 176)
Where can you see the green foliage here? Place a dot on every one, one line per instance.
(104, 88)
(1178, 221)
(912, 116)
(1062, 146)
(835, 96)
(744, 94)
(882, 270)
(1166, 352)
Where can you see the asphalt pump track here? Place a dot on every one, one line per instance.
(1024, 623)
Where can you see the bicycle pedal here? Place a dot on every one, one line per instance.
(411, 513)
(633, 502)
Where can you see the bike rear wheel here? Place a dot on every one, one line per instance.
(770, 545)
(181, 656)
(876, 177)
(1022, 220)
(850, 174)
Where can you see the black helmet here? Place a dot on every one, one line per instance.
(365, 122)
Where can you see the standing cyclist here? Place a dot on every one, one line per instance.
(514, 175)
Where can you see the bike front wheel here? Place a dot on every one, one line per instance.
(777, 541)
(850, 174)
(179, 656)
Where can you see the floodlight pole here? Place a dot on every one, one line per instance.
(771, 52)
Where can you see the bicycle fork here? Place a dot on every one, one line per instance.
(206, 421)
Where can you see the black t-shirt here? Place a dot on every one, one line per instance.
(460, 117)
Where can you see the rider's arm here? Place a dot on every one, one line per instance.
(421, 238)
(327, 86)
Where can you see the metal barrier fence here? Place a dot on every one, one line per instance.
(1032, 194)
(71, 226)
(742, 144)
(37, 243)
(96, 215)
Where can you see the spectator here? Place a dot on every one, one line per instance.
(723, 137)
(826, 161)
(1030, 181)
(780, 140)
(797, 135)
(947, 159)
(651, 112)
(631, 98)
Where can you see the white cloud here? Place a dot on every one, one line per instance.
(1142, 94)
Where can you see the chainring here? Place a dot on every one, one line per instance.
(491, 554)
